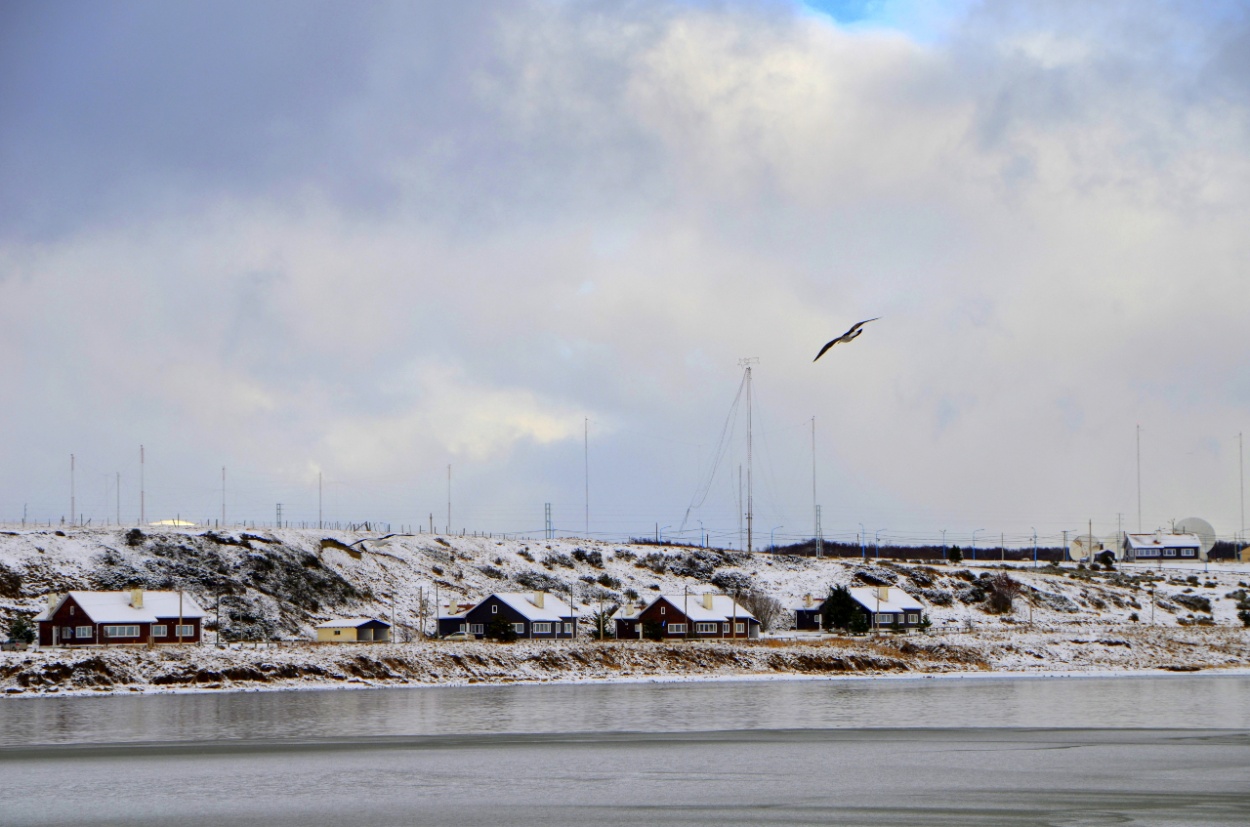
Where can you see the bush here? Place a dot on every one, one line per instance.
(1002, 592)
(501, 630)
(859, 624)
(955, 555)
(21, 630)
(1244, 616)
(652, 630)
(608, 581)
(590, 558)
(925, 623)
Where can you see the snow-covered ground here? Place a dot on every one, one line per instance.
(282, 583)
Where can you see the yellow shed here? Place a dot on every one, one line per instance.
(354, 630)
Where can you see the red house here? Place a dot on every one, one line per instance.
(112, 618)
(678, 616)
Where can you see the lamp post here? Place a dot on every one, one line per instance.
(863, 540)
(702, 534)
(771, 535)
(660, 533)
(974, 543)
(876, 540)
(1034, 546)
(943, 544)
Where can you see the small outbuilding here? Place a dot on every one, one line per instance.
(354, 630)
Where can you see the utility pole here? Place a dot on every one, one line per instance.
(117, 491)
(223, 498)
(143, 514)
(1139, 479)
(815, 508)
(1241, 472)
(318, 499)
(279, 515)
(73, 506)
(449, 499)
(740, 543)
(586, 462)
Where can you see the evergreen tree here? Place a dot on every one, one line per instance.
(501, 630)
(21, 630)
(839, 609)
(955, 555)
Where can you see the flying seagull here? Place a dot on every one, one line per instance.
(847, 336)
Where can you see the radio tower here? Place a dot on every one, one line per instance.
(746, 364)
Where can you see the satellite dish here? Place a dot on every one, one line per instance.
(1084, 547)
(1200, 527)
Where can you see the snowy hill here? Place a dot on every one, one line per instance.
(282, 583)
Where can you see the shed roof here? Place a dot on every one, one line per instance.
(350, 623)
(115, 607)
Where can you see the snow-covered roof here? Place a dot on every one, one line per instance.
(349, 622)
(115, 607)
(692, 606)
(896, 600)
(1160, 539)
(523, 602)
(553, 608)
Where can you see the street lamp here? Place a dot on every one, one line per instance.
(1034, 546)
(974, 543)
(771, 534)
(702, 533)
(876, 539)
(943, 544)
(660, 533)
(863, 541)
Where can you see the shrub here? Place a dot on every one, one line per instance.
(590, 558)
(22, 631)
(955, 555)
(608, 581)
(1002, 592)
(1244, 616)
(134, 537)
(859, 624)
(1133, 617)
(652, 630)
(925, 623)
(766, 609)
(501, 630)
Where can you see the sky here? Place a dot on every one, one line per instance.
(347, 251)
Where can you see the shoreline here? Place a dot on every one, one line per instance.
(1106, 653)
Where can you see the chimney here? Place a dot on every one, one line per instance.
(538, 599)
(807, 600)
(53, 599)
(136, 598)
(707, 601)
(883, 593)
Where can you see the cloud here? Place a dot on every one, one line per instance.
(379, 243)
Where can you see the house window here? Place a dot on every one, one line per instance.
(1187, 552)
(71, 611)
(726, 630)
(568, 628)
(121, 631)
(519, 628)
(160, 630)
(676, 628)
(740, 628)
(705, 628)
(661, 610)
(464, 628)
(84, 631)
(478, 628)
(338, 631)
(67, 632)
(913, 618)
(1169, 552)
(542, 628)
(494, 610)
(184, 631)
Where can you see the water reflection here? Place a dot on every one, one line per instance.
(1138, 702)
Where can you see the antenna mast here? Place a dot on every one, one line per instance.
(747, 363)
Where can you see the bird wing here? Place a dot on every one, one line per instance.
(845, 337)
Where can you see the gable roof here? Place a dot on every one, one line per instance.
(553, 609)
(723, 608)
(897, 600)
(114, 607)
